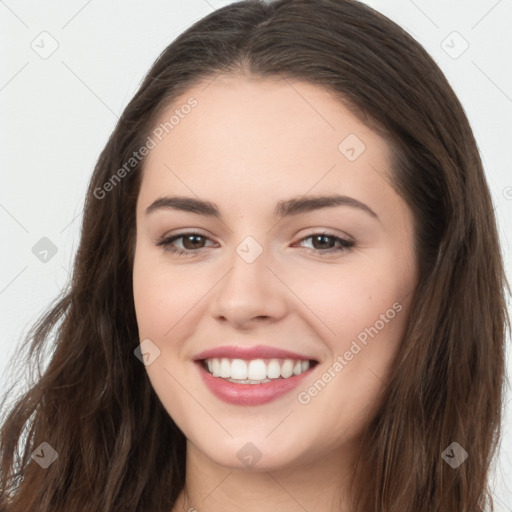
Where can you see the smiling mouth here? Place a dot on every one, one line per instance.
(255, 371)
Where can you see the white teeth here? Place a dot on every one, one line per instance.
(225, 368)
(249, 381)
(287, 368)
(273, 369)
(238, 369)
(255, 371)
(216, 368)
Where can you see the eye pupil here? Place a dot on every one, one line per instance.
(322, 239)
(195, 240)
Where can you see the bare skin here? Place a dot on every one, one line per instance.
(248, 144)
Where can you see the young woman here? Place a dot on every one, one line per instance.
(289, 293)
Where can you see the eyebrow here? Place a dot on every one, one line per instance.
(289, 207)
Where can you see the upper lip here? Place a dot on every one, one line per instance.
(255, 352)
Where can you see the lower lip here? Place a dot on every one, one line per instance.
(250, 394)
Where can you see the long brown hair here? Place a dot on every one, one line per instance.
(118, 449)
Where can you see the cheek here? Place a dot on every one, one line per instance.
(366, 305)
(163, 296)
(352, 297)
(162, 301)
(151, 302)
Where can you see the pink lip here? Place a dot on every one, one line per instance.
(256, 352)
(249, 394)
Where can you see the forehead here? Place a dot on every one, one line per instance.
(252, 114)
(267, 137)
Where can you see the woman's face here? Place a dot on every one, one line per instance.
(273, 281)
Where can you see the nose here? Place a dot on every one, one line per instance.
(250, 293)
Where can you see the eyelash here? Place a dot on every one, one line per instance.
(346, 245)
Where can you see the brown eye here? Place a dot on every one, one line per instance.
(328, 243)
(193, 241)
(323, 242)
(190, 242)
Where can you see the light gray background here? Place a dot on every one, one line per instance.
(58, 112)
